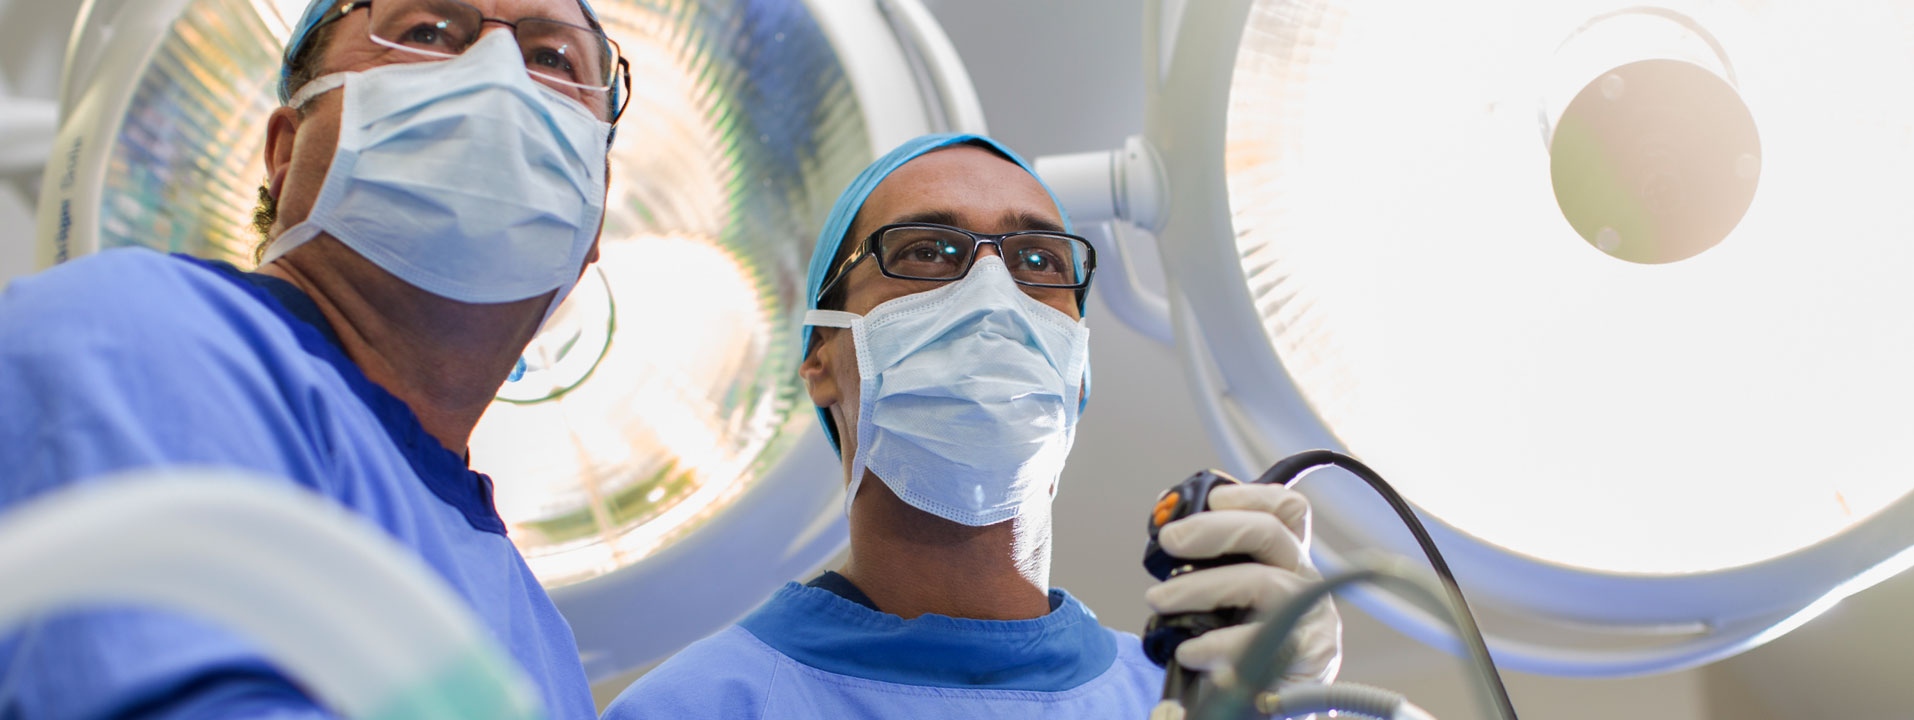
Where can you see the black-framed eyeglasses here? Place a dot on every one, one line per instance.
(560, 54)
(941, 253)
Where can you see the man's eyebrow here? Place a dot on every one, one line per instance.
(1030, 221)
(934, 217)
(1019, 219)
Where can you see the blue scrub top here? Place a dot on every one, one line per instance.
(132, 359)
(812, 653)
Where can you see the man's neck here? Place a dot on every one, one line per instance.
(913, 563)
(445, 359)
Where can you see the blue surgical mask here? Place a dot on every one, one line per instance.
(464, 177)
(968, 395)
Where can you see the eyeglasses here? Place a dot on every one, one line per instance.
(924, 251)
(560, 54)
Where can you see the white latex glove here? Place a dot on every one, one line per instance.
(1271, 524)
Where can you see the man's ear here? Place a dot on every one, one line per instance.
(817, 373)
(282, 127)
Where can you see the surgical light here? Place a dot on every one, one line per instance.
(1611, 290)
(1414, 273)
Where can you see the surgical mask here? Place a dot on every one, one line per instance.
(463, 177)
(968, 395)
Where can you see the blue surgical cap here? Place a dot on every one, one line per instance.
(831, 238)
(316, 11)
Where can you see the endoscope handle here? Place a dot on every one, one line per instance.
(1185, 499)
(1166, 632)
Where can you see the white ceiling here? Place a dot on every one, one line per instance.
(1060, 76)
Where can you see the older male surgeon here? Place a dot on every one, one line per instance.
(436, 185)
(949, 368)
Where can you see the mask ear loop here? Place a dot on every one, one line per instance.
(318, 86)
(853, 322)
(1083, 397)
(305, 231)
(866, 403)
(831, 318)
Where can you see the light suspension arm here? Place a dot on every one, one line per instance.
(1108, 194)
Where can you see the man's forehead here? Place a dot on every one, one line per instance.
(962, 185)
(957, 161)
(566, 10)
(1012, 218)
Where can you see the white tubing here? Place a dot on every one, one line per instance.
(349, 613)
(1304, 700)
(1137, 306)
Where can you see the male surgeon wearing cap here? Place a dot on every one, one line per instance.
(949, 362)
(436, 185)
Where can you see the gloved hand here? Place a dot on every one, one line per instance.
(1271, 524)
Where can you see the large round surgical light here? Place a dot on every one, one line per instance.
(1615, 292)
(1419, 280)
(655, 455)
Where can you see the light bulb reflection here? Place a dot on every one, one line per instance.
(655, 443)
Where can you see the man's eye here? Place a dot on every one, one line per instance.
(1039, 261)
(553, 60)
(929, 252)
(425, 35)
(929, 257)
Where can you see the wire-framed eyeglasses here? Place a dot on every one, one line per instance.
(941, 253)
(575, 59)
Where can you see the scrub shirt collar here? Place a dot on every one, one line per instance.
(819, 628)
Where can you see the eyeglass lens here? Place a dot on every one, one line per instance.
(938, 254)
(555, 51)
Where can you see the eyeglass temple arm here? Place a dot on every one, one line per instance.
(624, 66)
(837, 275)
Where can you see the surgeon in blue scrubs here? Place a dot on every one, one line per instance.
(436, 184)
(946, 354)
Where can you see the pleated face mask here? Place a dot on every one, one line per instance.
(969, 395)
(463, 177)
